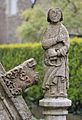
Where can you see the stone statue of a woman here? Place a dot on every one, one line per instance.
(56, 47)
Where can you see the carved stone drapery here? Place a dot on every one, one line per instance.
(56, 46)
(56, 80)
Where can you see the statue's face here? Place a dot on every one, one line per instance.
(21, 77)
(55, 15)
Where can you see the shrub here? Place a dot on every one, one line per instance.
(12, 55)
(75, 65)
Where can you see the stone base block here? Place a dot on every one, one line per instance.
(55, 109)
(55, 118)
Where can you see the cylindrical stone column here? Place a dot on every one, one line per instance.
(55, 109)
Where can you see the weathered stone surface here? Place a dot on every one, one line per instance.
(55, 109)
(56, 80)
(13, 106)
(53, 102)
(21, 77)
(2, 70)
(56, 46)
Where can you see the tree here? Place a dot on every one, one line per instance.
(34, 24)
(72, 10)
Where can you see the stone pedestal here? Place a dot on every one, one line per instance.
(55, 108)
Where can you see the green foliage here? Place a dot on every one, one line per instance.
(72, 10)
(75, 60)
(34, 24)
(12, 55)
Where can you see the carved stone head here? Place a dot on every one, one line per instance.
(21, 77)
(54, 15)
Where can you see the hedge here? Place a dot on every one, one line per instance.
(13, 55)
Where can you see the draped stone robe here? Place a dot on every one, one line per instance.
(56, 38)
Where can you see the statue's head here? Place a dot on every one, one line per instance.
(21, 77)
(54, 15)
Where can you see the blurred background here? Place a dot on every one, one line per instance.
(22, 25)
(30, 16)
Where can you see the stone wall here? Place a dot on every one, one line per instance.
(12, 24)
(14, 21)
(3, 34)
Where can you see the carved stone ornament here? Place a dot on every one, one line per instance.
(12, 104)
(21, 77)
(56, 47)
